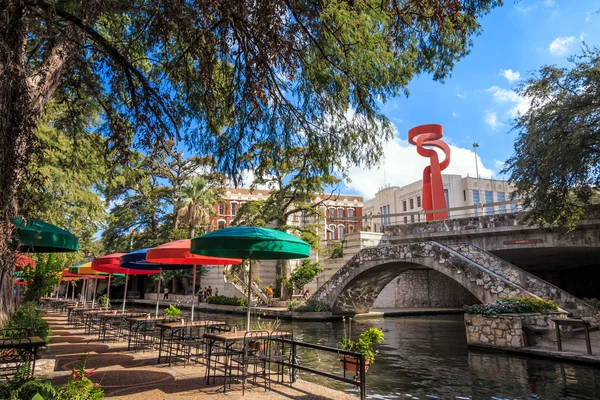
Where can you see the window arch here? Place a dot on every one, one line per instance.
(221, 224)
(331, 232)
(350, 212)
(331, 212)
(340, 212)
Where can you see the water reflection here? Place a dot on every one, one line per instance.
(427, 357)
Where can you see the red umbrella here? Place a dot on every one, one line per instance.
(111, 265)
(178, 253)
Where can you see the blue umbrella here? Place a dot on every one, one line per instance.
(137, 260)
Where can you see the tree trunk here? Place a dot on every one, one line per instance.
(17, 126)
(191, 232)
(22, 101)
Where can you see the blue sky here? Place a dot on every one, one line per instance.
(477, 102)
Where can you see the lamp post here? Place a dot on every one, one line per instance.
(475, 146)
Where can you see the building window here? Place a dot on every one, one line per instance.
(340, 232)
(418, 201)
(340, 213)
(501, 208)
(513, 206)
(465, 195)
(331, 212)
(350, 212)
(404, 205)
(220, 224)
(331, 232)
(304, 218)
(406, 220)
(412, 204)
(221, 209)
(447, 198)
(350, 228)
(489, 198)
(234, 208)
(412, 218)
(476, 201)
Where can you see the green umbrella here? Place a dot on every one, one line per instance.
(35, 236)
(250, 243)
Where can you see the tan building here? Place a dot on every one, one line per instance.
(459, 191)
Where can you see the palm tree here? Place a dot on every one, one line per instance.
(197, 203)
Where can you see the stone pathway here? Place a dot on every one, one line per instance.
(127, 375)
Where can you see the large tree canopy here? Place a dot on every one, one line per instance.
(225, 75)
(556, 164)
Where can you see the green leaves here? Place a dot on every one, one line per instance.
(556, 164)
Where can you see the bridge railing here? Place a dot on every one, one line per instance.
(418, 216)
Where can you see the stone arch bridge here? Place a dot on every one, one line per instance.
(354, 288)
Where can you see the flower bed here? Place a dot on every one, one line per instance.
(519, 305)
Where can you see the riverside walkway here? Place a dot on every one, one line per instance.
(127, 375)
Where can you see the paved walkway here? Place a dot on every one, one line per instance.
(127, 375)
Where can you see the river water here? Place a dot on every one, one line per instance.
(428, 358)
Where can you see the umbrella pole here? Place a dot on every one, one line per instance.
(158, 292)
(94, 294)
(108, 291)
(67, 291)
(249, 295)
(125, 293)
(193, 292)
(73, 294)
(84, 292)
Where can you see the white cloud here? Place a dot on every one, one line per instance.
(247, 180)
(560, 45)
(499, 165)
(460, 94)
(520, 104)
(549, 3)
(401, 165)
(510, 75)
(455, 114)
(491, 118)
(587, 16)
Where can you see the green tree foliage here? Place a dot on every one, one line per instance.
(42, 279)
(556, 163)
(226, 76)
(197, 204)
(305, 273)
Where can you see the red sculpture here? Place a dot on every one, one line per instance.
(433, 188)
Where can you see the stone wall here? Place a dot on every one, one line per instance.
(507, 330)
(423, 288)
(530, 282)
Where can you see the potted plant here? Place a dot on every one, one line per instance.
(172, 312)
(364, 345)
(104, 301)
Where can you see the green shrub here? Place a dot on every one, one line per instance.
(227, 301)
(519, 305)
(172, 311)
(27, 317)
(78, 386)
(308, 306)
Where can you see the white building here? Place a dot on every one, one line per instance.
(460, 192)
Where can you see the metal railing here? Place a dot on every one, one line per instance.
(359, 379)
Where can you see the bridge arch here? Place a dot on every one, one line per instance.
(354, 288)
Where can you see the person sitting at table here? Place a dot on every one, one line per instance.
(166, 294)
(306, 294)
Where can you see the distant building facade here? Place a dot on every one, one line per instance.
(340, 211)
(459, 192)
